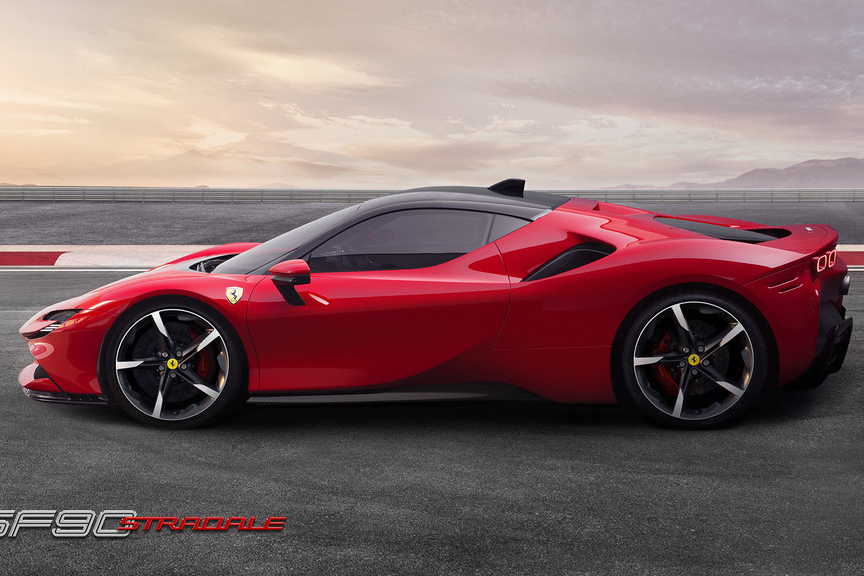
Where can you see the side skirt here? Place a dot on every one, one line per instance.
(431, 393)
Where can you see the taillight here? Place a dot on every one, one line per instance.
(824, 261)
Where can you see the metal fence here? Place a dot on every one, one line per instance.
(261, 195)
(726, 195)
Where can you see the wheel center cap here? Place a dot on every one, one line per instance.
(693, 360)
(172, 363)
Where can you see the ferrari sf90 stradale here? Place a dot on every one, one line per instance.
(443, 290)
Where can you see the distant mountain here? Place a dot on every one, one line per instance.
(838, 173)
(227, 169)
(27, 176)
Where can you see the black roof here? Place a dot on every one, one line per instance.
(506, 197)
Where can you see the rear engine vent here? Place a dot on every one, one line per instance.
(773, 232)
(723, 232)
(571, 259)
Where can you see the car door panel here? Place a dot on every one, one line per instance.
(360, 329)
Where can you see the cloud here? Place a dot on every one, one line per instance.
(49, 118)
(210, 135)
(43, 102)
(431, 157)
(306, 71)
(389, 94)
(34, 132)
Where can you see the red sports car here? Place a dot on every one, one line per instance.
(443, 290)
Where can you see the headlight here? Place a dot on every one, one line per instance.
(57, 317)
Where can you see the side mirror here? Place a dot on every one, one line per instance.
(294, 272)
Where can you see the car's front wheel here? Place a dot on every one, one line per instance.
(174, 364)
(694, 360)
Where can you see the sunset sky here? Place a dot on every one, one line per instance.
(393, 93)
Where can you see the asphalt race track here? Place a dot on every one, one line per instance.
(441, 488)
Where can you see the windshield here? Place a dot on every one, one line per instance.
(275, 248)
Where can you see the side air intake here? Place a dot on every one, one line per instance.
(571, 259)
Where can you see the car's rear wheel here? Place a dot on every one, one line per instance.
(694, 360)
(174, 364)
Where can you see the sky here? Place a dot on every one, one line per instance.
(389, 94)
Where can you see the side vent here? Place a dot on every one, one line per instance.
(787, 285)
(571, 259)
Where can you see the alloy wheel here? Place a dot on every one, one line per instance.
(172, 364)
(693, 360)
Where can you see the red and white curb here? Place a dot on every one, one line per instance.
(136, 258)
(89, 257)
(852, 255)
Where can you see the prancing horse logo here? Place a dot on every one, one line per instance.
(233, 294)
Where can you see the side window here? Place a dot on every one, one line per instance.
(406, 239)
(504, 225)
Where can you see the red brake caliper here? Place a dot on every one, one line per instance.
(202, 358)
(661, 373)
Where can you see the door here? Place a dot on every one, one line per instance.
(408, 297)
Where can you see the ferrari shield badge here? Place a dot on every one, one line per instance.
(233, 294)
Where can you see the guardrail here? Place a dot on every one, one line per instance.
(726, 195)
(261, 195)
(136, 194)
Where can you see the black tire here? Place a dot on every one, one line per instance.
(693, 360)
(174, 362)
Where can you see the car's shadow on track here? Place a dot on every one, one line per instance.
(777, 407)
(394, 416)
(426, 415)
(785, 405)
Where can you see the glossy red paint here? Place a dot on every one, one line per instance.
(363, 329)
(78, 348)
(27, 379)
(291, 271)
(472, 319)
(70, 351)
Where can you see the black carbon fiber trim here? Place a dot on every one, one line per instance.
(63, 398)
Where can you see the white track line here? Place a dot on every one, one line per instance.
(110, 248)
